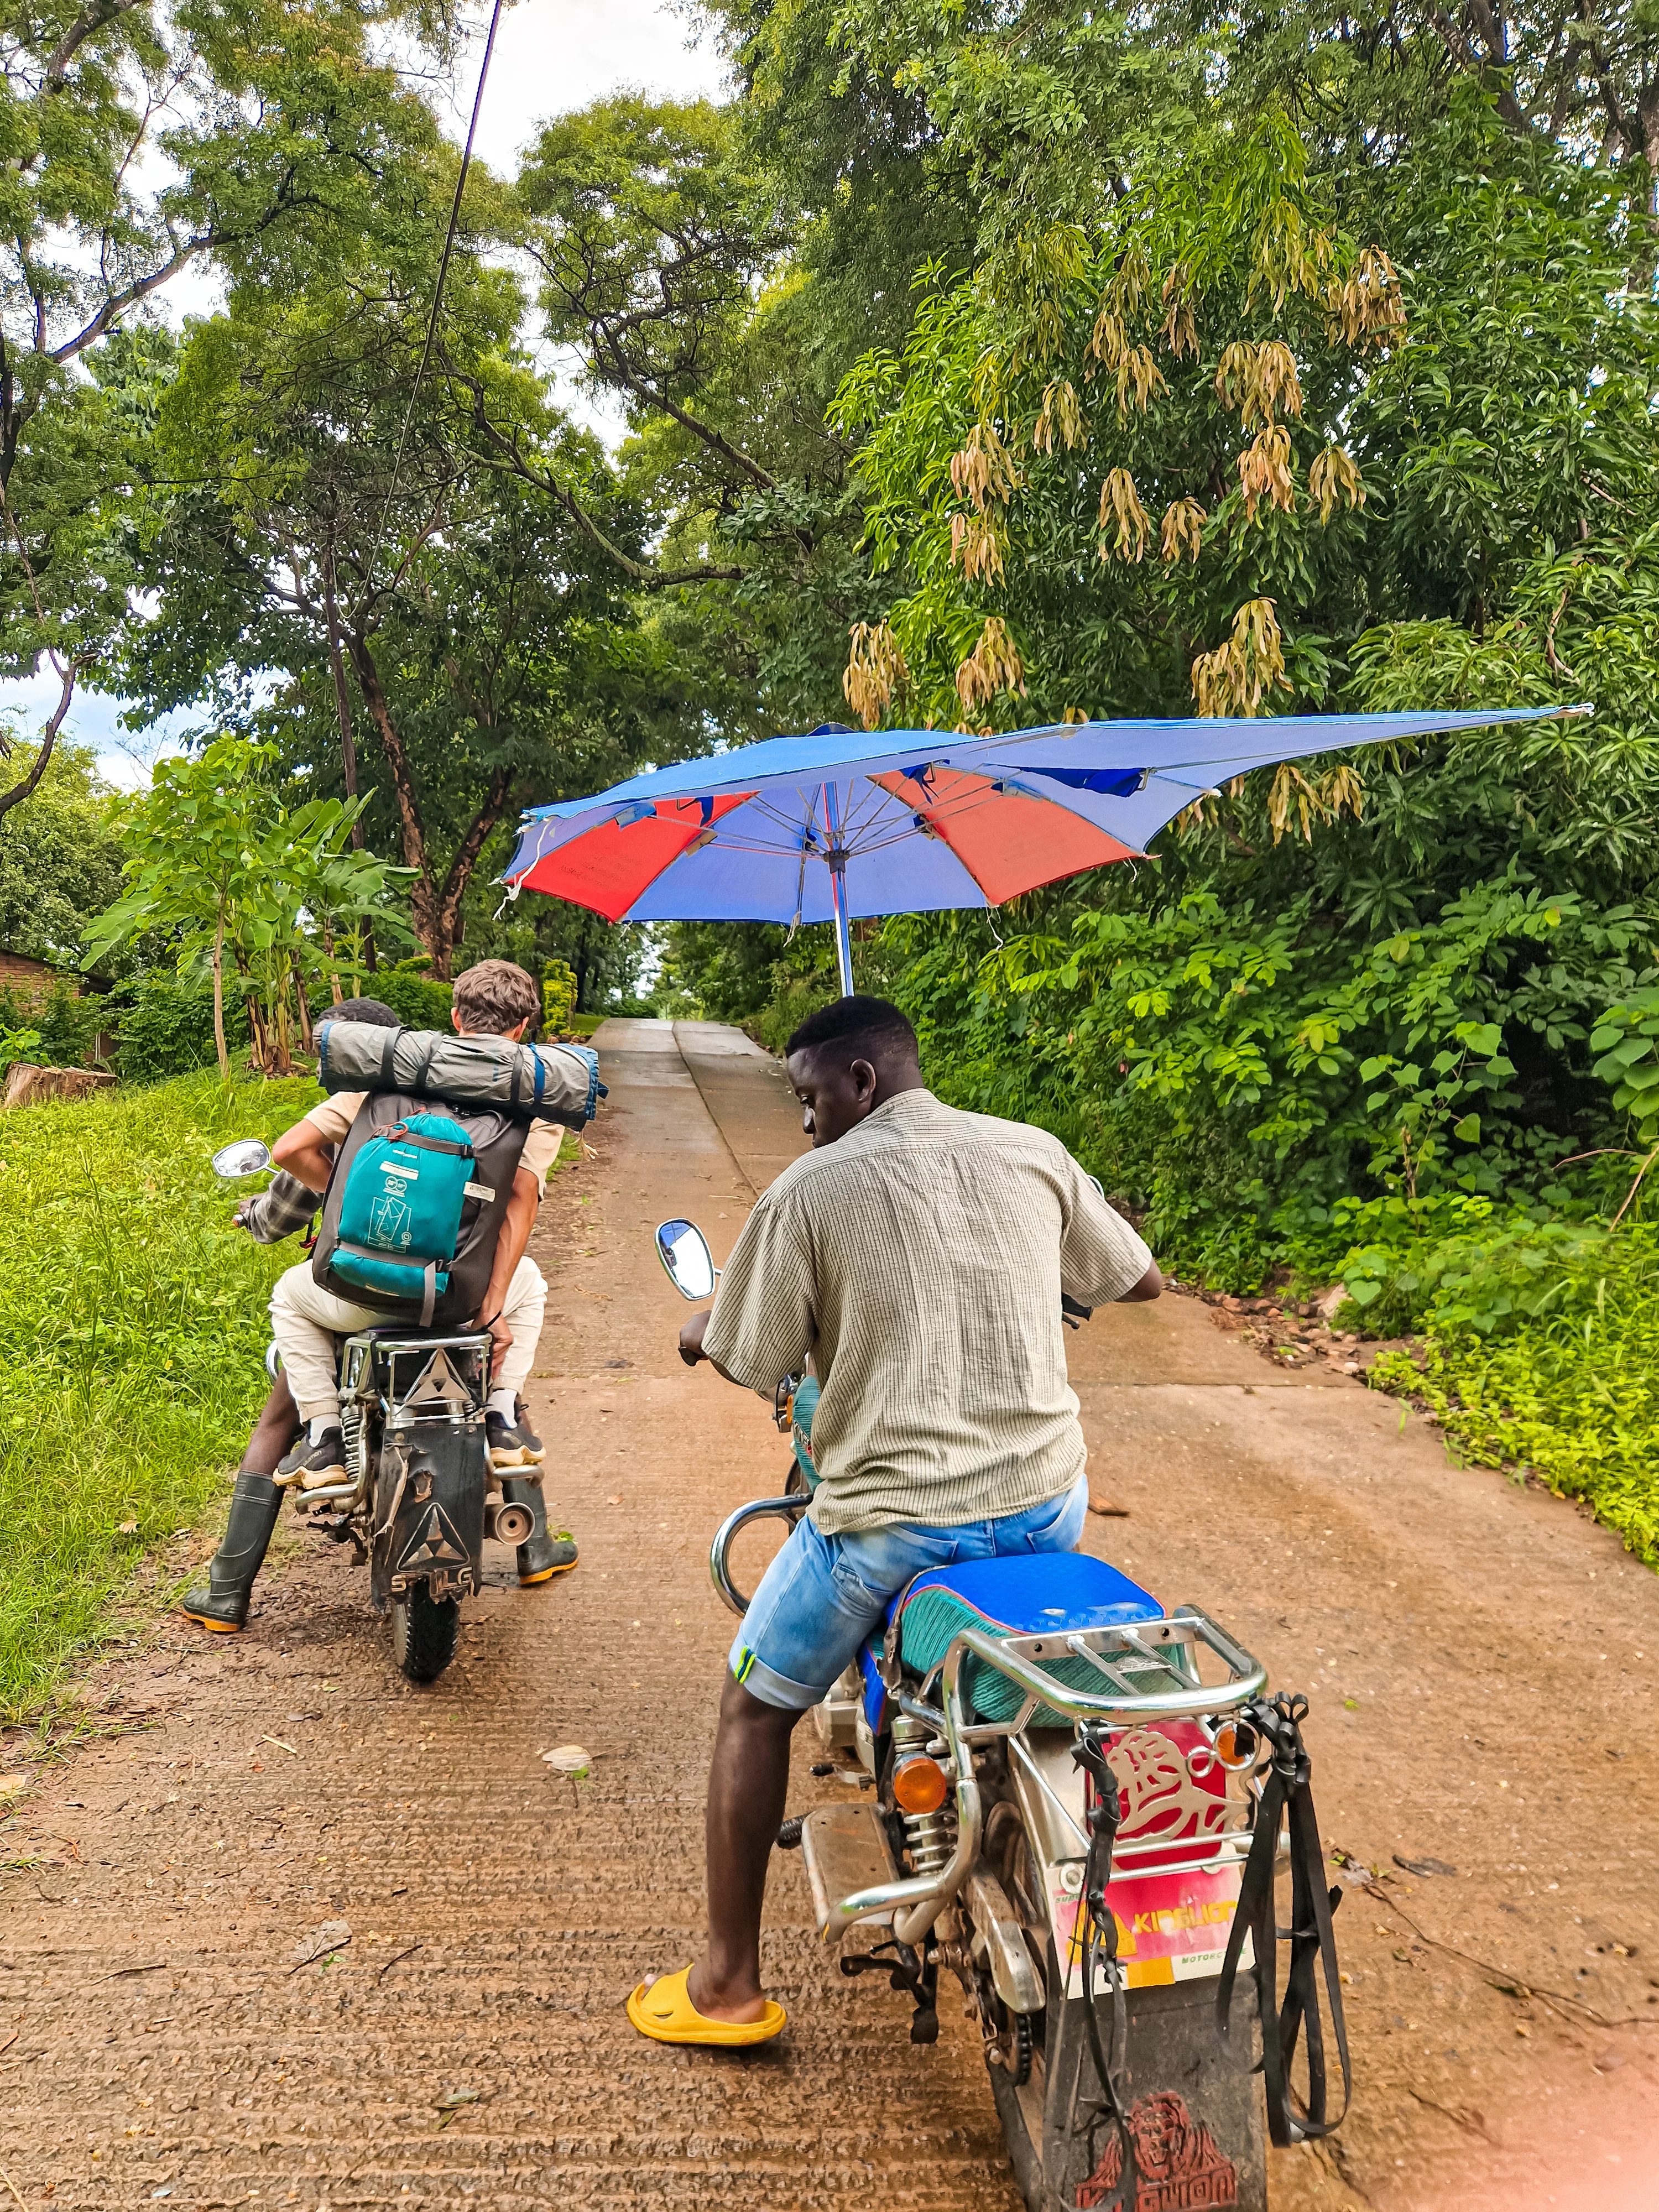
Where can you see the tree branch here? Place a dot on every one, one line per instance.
(20, 792)
(86, 24)
(507, 450)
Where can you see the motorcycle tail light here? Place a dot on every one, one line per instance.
(919, 1784)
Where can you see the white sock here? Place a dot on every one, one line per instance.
(321, 1425)
(505, 1402)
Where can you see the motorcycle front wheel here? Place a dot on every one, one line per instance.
(423, 1633)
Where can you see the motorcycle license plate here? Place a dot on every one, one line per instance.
(1173, 1917)
(1171, 1928)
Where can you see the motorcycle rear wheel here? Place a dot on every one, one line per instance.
(423, 1633)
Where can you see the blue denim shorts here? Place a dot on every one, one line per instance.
(822, 1596)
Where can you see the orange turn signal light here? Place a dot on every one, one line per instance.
(1235, 1743)
(919, 1784)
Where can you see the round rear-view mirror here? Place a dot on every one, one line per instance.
(247, 1156)
(684, 1250)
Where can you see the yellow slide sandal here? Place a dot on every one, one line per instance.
(665, 2013)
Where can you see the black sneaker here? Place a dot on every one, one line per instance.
(511, 1443)
(314, 1465)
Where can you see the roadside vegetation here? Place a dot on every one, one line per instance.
(132, 1336)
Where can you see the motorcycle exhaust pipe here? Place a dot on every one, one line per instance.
(508, 1524)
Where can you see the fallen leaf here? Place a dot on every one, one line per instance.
(613, 1501)
(330, 1935)
(567, 1758)
(13, 1785)
(1424, 1866)
(126, 1527)
(459, 2097)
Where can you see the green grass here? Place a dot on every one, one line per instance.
(132, 1329)
(1565, 1387)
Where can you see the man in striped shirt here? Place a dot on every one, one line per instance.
(917, 1257)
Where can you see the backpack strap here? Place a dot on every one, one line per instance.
(388, 1054)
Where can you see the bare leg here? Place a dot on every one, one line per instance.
(748, 1778)
(273, 1432)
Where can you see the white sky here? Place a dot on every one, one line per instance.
(550, 56)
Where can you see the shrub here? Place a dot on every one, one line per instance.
(417, 1001)
(1540, 1358)
(166, 1028)
(64, 1025)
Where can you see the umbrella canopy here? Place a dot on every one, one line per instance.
(846, 822)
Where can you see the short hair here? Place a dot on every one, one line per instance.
(875, 1025)
(495, 997)
(374, 1011)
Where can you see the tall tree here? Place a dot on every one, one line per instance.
(136, 141)
(330, 537)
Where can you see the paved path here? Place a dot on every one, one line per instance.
(1482, 1665)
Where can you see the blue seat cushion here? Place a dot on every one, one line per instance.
(1050, 1593)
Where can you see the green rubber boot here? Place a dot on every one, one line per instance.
(540, 1556)
(223, 1604)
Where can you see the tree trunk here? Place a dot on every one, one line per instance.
(422, 903)
(348, 744)
(435, 908)
(219, 1000)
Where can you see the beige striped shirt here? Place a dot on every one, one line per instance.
(918, 1261)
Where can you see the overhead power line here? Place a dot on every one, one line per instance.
(437, 290)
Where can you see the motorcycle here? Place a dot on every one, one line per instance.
(420, 1495)
(1077, 1803)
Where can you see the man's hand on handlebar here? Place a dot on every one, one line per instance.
(691, 1349)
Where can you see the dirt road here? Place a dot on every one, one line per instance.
(1481, 1661)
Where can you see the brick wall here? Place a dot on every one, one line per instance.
(26, 978)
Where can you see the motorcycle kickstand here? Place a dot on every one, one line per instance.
(904, 1972)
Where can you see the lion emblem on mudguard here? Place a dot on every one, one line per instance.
(1177, 2167)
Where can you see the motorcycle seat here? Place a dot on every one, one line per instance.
(1053, 1593)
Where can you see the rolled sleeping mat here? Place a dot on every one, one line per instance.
(527, 1082)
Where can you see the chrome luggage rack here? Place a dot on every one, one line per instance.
(1169, 1646)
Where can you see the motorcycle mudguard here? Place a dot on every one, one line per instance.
(429, 1512)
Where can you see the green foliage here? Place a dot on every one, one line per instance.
(65, 1027)
(166, 1028)
(1540, 1358)
(558, 995)
(417, 1001)
(243, 885)
(131, 1337)
(60, 862)
(1627, 1038)
(17, 1044)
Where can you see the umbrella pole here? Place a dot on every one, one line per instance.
(837, 859)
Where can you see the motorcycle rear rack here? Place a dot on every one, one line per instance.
(1172, 1644)
(357, 1394)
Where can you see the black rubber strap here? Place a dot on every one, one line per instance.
(1285, 1791)
(388, 1056)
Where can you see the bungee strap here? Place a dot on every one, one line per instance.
(1285, 1791)
(1110, 2109)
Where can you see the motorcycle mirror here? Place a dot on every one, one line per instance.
(684, 1250)
(247, 1157)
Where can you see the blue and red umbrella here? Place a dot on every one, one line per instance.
(843, 823)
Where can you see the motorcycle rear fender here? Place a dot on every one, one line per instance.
(429, 1510)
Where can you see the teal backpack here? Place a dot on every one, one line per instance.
(400, 1210)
